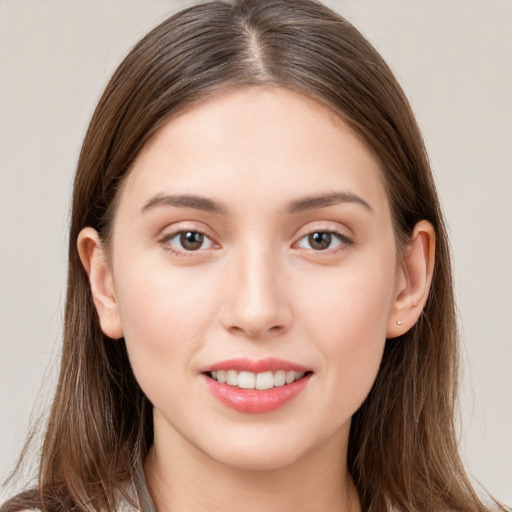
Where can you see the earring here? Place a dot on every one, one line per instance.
(399, 322)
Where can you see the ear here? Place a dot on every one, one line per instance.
(95, 262)
(413, 280)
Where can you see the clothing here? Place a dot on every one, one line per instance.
(140, 494)
(135, 491)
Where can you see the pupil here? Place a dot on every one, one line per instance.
(320, 241)
(191, 240)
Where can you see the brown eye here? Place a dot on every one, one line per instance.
(324, 241)
(182, 242)
(320, 240)
(191, 240)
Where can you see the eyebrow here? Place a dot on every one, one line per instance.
(325, 200)
(185, 201)
(211, 206)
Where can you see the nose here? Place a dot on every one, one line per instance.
(257, 304)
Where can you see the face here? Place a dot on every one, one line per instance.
(253, 242)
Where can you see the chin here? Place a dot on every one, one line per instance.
(262, 459)
(265, 449)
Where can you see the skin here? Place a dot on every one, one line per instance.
(256, 288)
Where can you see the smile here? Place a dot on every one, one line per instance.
(251, 380)
(256, 387)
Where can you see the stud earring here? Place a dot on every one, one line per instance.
(399, 322)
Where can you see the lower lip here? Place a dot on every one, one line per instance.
(255, 401)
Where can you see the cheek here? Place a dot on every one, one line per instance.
(347, 315)
(172, 302)
(165, 317)
(350, 303)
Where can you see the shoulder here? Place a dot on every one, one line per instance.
(25, 501)
(130, 496)
(30, 500)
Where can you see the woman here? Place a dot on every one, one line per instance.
(259, 299)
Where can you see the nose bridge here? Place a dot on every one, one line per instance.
(257, 303)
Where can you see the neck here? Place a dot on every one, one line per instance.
(181, 478)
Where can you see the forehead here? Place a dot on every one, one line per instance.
(255, 143)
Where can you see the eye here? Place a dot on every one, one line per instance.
(323, 241)
(188, 241)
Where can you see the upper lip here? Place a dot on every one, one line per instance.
(269, 364)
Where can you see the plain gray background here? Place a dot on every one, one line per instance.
(454, 60)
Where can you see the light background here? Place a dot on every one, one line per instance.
(454, 60)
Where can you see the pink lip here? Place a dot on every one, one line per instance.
(268, 364)
(253, 400)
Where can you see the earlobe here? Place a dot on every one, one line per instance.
(413, 280)
(95, 262)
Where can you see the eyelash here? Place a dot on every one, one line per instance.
(166, 242)
(344, 241)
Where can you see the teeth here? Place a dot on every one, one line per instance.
(265, 380)
(246, 380)
(250, 380)
(232, 378)
(280, 378)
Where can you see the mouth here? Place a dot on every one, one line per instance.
(259, 381)
(261, 386)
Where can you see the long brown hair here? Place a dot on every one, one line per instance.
(402, 449)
